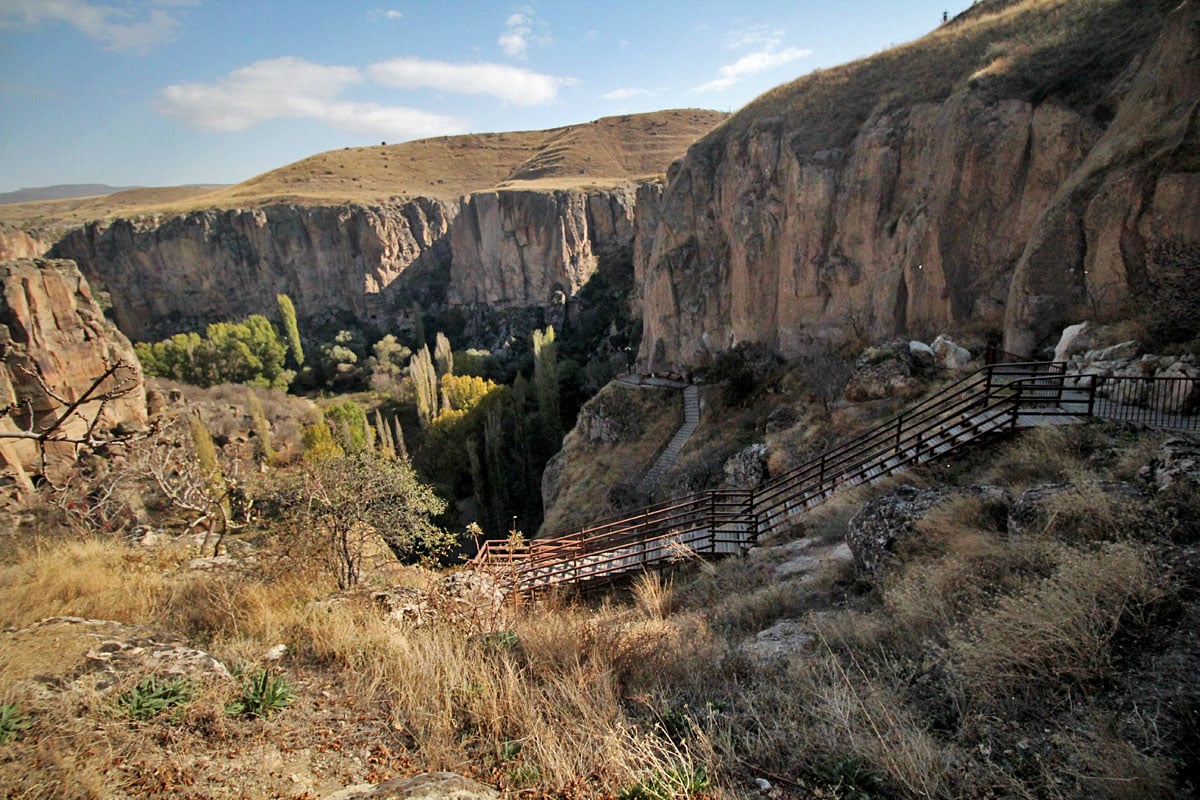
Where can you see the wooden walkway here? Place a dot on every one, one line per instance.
(991, 401)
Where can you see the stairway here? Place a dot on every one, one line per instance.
(670, 454)
(990, 401)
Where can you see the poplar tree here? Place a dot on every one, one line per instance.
(425, 381)
(443, 356)
(545, 380)
(290, 328)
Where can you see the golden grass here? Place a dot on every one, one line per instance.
(604, 152)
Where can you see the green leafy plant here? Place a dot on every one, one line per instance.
(262, 695)
(681, 780)
(12, 722)
(151, 697)
(848, 777)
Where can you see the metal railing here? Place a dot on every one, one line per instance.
(994, 399)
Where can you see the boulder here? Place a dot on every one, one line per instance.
(1125, 351)
(1177, 463)
(873, 531)
(949, 355)
(1075, 339)
(1182, 395)
(746, 468)
(881, 372)
(922, 354)
(427, 786)
(1032, 512)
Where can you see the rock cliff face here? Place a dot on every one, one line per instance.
(523, 249)
(51, 326)
(916, 216)
(21, 244)
(1125, 225)
(337, 263)
(353, 264)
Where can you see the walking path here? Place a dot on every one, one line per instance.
(990, 401)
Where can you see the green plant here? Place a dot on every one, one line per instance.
(847, 777)
(151, 697)
(680, 780)
(262, 695)
(12, 722)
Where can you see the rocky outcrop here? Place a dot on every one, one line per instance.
(50, 326)
(853, 204)
(1125, 222)
(873, 532)
(16, 244)
(535, 249)
(496, 253)
(339, 264)
(1176, 464)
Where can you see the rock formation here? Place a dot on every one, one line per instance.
(50, 326)
(928, 187)
(355, 265)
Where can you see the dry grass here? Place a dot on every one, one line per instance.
(1055, 636)
(604, 152)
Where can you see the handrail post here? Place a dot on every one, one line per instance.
(1091, 395)
(899, 428)
(987, 386)
(821, 477)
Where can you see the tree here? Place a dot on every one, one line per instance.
(443, 356)
(291, 329)
(229, 352)
(545, 380)
(349, 503)
(71, 422)
(425, 382)
(348, 423)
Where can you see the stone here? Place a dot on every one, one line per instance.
(1177, 463)
(1030, 514)
(877, 381)
(1074, 340)
(949, 355)
(1124, 351)
(872, 532)
(922, 353)
(427, 786)
(785, 637)
(58, 331)
(746, 468)
(552, 477)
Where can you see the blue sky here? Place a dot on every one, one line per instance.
(169, 92)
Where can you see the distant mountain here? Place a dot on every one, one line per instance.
(60, 192)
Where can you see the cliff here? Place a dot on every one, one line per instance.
(50, 326)
(899, 195)
(360, 265)
(339, 264)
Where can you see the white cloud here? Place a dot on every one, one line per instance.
(751, 64)
(388, 13)
(134, 28)
(625, 94)
(290, 87)
(754, 36)
(514, 85)
(514, 39)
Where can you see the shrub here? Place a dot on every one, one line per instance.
(151, 697)
(229, 352)
(12, 722)
(263, 694)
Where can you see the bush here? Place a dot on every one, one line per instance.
(151, 697)
(229, 352)
(262, 695)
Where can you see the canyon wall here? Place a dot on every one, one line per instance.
(959, 210)
(344, 265)
(50, 326)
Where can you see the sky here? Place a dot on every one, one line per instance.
(173, 92)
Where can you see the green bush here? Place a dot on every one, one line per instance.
(262, 695)
(151, 697)
(12, 722)
(229, 352)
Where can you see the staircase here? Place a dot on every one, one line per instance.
(670, 454)
(991, 401)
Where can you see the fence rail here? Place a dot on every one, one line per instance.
(997, 398)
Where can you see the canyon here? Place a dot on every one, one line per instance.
(969, 181)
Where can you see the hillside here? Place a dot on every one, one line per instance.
(1022, 165)
(600, 153)
(60, 191)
